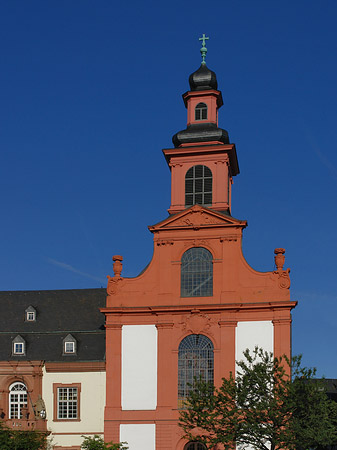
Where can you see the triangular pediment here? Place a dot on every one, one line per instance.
(197, 217)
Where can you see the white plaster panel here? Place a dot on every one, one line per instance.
(92, 403)
(139, 367)
(252, 334)
(139, 436)
(69, 440)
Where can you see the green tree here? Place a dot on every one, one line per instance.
(97, 443)
(22, 440)
(263, 407)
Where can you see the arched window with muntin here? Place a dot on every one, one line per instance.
(198, 186)
(17, 400)
(195, 360)
(197, 273)
(201, 111)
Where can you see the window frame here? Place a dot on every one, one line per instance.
(190, 275)
(201, 110)
(198, 186)
(56, 387)
(16, 351)
(18, 402)
(195, 359)
(30, 316)
(69, 351)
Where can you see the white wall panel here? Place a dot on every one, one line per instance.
(252, 334)
(139, 367)
(139, 436)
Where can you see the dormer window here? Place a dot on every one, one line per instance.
(69, 345)
(19, 346)
(201, 111)
(30, 314)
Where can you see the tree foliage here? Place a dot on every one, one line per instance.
(22, 440)
(263, 407)
(97, 443)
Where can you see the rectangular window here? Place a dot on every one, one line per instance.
(19, 348)
(30, 316)
(69, 347)
(67, 402)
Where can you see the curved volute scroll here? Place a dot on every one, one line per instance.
(283, 275)
(114, 281)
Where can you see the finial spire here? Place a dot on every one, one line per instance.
(203, 49)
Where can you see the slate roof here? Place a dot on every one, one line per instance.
(58, 313)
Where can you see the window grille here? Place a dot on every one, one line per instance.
(195, 359)
(197, 273)
(67, 401)
(201, 111)
(198, 186)
(17, 400)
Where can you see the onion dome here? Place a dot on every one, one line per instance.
(203, 79)
(199, 133)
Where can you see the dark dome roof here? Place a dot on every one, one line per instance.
(203, 79)
(198, 133)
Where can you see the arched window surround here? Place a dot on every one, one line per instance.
(187, 279)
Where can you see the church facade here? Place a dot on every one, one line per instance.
(119, 363)
(198, 305)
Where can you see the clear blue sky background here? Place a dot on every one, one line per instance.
(91, 93)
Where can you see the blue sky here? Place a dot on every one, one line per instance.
(91, 93)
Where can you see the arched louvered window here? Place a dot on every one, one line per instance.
(197, 273)
(198, 186)
(195, 446)
(201, 111)
(17, 400)
(195, 359)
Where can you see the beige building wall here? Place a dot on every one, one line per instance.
(91, 406)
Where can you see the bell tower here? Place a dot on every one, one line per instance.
(202, 162)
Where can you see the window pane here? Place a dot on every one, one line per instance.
(189, 186)
(199, 171)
